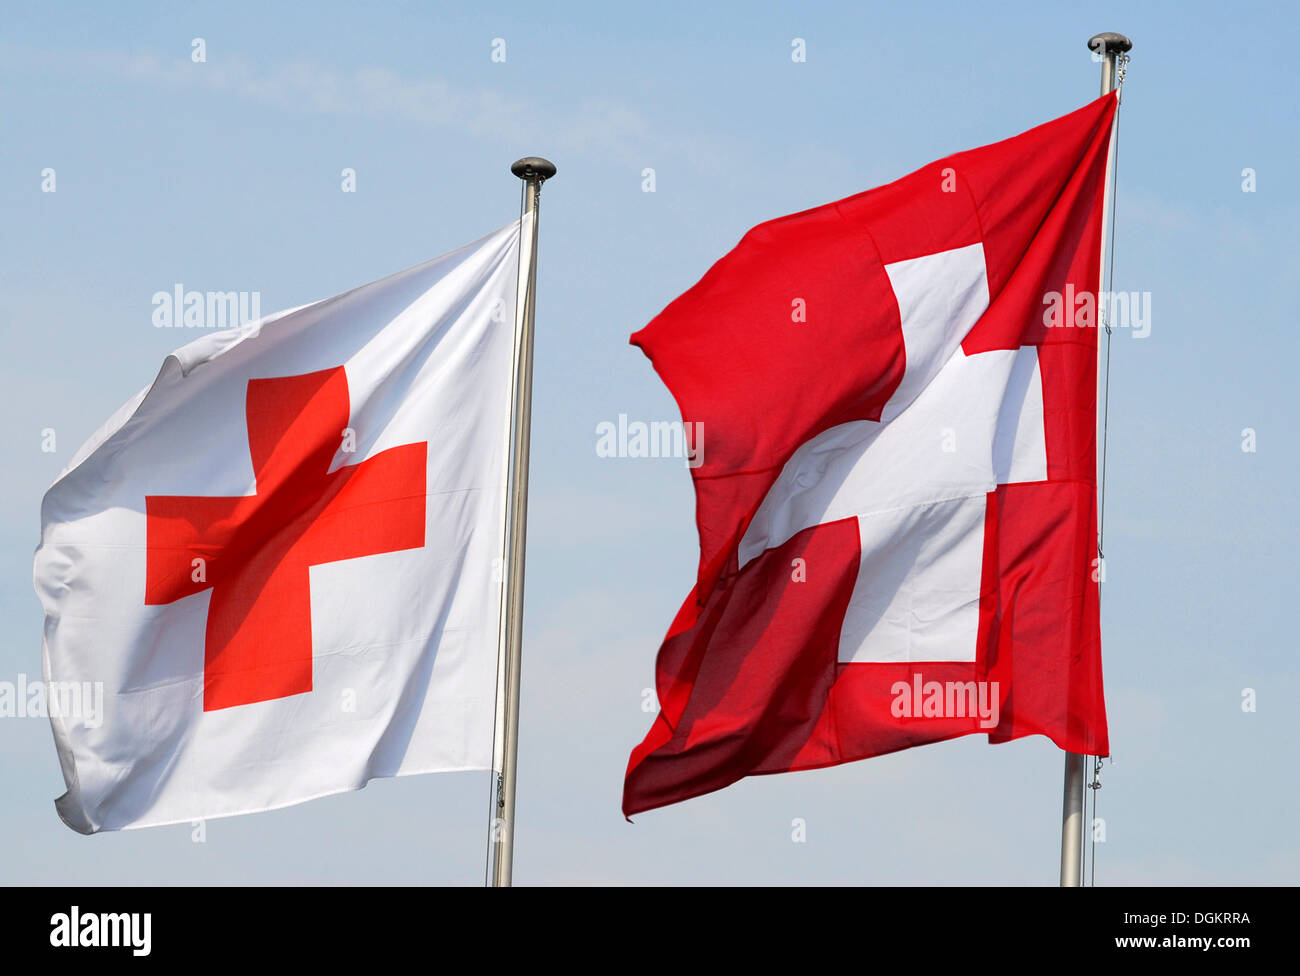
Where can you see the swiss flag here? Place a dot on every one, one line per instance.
(896, 480)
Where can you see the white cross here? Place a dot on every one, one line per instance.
(916, 482)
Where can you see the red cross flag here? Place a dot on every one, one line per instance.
(280, 562)
(895, 483)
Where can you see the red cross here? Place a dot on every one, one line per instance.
(255, 551)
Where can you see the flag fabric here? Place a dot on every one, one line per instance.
(896, 479)
(279, 562)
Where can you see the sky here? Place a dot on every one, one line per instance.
(225, 174)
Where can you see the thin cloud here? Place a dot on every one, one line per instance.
(601, 126)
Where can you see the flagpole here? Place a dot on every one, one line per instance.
(534, 171)
(1110, 46)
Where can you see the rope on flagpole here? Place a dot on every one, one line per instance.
(1105, 314)
(1095, 786)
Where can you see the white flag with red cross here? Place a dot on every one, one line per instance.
(281, 561)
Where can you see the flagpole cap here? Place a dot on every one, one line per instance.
(1109, 42)
(533, 169)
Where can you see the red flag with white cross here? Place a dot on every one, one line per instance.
(896, 478)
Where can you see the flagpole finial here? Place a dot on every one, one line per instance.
(1104, 43)
(533, 168)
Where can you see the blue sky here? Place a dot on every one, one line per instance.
(226, 175)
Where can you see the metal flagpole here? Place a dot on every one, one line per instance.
(1111, 47)
(533, 171)
(1072, 822)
